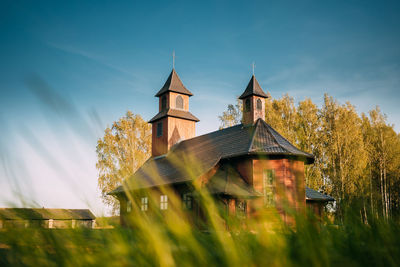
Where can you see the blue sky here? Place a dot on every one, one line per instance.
(67, 70)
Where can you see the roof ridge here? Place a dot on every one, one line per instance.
(273, 136)
(254, 134)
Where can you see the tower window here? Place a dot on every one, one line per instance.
(159, 129)
(164, 202)
(259, 104)
(247, 105)
(163, 102)
(179, 102)
(268, 186)
(145, 204)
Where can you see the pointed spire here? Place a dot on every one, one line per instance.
(174, 84)
(253, 88)
(173, 59)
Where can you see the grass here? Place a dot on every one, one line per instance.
(308, 243)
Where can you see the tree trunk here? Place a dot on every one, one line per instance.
(385, 188)
(382, 192)
(370, 187)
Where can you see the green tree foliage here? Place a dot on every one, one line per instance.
(383, 148)
(281, 114)
(122, 150)
(232, 116)
(357, 157)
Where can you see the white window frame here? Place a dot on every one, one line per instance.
(144, 204)
(241, 212)
(269, 187)
(163, 202)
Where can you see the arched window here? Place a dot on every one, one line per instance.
(179, 102)
(163, 102)
(247, 105)
(259, 104)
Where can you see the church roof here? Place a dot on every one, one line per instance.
(228, 181)
(253, 88)
(194, 157)
(174, 84)
(174, 113)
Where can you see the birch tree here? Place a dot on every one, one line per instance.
(125, 146)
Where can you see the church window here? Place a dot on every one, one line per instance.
(247, 105)
(268, 186)
(145, 203)
(241, 208)
(259, 104)
(128, 206)
(179, 102)
(163, 102)
(159, 129)
(164, 202)
(187, 200)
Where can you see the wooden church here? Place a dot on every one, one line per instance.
(246, 168)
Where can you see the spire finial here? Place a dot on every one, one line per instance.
(173, 59)
(254, 66)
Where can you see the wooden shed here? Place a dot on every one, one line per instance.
(46, 218)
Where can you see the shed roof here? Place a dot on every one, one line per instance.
(45, 214)
(194, 157)
(174, 84)
(313, 195)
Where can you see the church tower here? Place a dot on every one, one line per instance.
(173, 122)
(253, 102)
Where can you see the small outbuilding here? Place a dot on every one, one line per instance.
(46, 218)
(316, 201)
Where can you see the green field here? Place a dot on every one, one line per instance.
(173, 242)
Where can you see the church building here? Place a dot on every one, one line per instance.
(247, 168)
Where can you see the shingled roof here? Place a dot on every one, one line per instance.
(253, 88)
(174, 113)
(174, 84)
(194, 157)
(45, 214)
(312, 195)
(228, 181)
